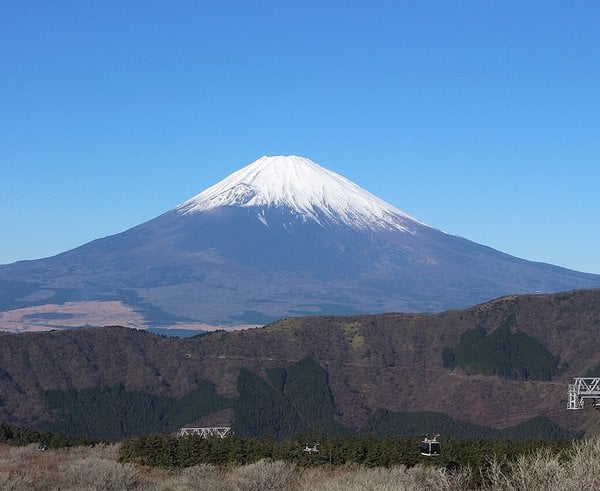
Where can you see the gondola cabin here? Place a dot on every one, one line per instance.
(430, 447)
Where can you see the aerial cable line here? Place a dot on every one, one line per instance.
(501, 419)
(380, 367)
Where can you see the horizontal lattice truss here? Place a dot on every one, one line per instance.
(219, 431)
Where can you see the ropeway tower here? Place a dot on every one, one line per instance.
(584, 388)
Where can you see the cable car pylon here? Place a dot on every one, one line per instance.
(584, 388)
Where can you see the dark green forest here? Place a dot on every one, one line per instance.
(113, 413)
(288, 401)
(296, 400)
(502, 352)
(21, 435)
(386, 423)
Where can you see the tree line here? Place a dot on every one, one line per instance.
(177, 452)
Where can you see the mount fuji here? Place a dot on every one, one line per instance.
(280, 237)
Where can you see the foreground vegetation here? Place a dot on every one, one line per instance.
(24, 468)
(458, 455)
(21, 435)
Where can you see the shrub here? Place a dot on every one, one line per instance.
(207, 477)
(99, 473)
(263, 475)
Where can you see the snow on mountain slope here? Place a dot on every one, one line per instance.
(310, 190)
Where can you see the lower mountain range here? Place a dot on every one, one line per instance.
(496, 365)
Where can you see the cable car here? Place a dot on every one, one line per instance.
(430, 447)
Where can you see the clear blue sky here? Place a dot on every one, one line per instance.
(481, 118)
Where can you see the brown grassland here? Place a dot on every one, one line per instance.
(98, 468)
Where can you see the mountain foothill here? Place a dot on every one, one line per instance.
(384, 374)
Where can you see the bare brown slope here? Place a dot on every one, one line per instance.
(382, 361)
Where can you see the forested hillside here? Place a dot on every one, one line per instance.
(388, 374)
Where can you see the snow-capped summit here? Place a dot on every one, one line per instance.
(311, 191)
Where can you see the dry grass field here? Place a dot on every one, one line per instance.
(98, 468)
(69, 315)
